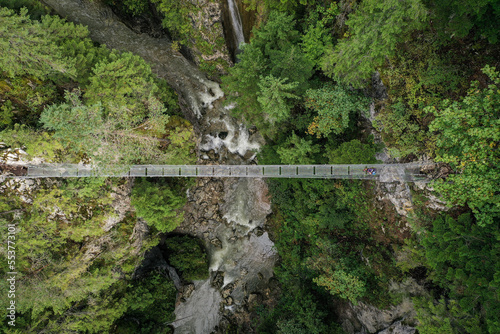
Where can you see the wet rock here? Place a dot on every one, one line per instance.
(227, 290)
(200, 313)
(249, 155)
(258, 231)
(218, 280)
(20, 151)
(210, 212)
(213, 156)
(11, 157)
(121, 204)
(216, 242)
(187, 290)
(379, 91)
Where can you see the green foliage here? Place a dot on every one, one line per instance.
(334, 275)
(74, 43)
(352, 152)
(184, 21)
(136, 7)
(468, 141)
(334, 104)
(177, 18)
(46, 233)
(27, 97)
(282, 5)
(274, 97)
(318, 233)
(272, 58)
(456, 19)
(158, 204)
(106, 138)
(375, 29)
(400, 132)
(151, 301)
(464, 258)
(35, 9)
(63, 218)
(317, 38)
(188, 256)
(444, 317)
(124, 85)
(6, 114)
(28, 48)
(419, 75)
(35, 143)
(72, 270)
(296, 150)
(242, 81)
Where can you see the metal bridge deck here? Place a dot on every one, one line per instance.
(384, 172)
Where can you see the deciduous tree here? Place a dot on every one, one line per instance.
(469, 141)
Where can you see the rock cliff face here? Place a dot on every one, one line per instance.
(228, 215)
(400, 319)
(209, 44)
(248, 21)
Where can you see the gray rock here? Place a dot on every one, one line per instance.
(399, 328)
(187, 291)
(216, 242)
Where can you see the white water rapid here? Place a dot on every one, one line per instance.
(243, 262)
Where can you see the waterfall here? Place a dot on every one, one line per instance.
(236, 21)
(246, 257)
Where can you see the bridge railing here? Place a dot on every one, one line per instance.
(276, 171)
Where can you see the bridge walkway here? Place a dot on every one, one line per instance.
(384, 172)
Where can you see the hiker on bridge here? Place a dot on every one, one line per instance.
(370, 171)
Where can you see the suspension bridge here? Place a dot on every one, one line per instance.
(409, 172)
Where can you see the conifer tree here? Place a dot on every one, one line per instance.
(27, 48)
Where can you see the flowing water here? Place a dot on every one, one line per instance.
(236, 23)
(195, 90)
(247, 257)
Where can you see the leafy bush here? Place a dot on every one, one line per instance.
(35, 143)
(296, 150)
(151, 304)
(468, 141)
(158, 204)
(334, 104)
(124, 85)
(352, 152)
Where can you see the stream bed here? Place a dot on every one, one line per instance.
(227, 214)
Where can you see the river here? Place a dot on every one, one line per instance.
(244, 256)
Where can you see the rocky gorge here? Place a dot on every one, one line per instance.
(229, 215)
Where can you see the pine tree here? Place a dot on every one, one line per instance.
(27, 48)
